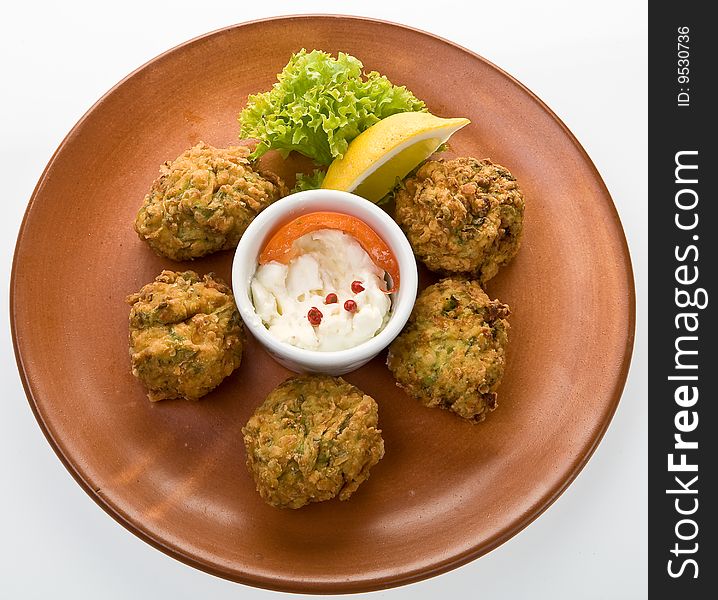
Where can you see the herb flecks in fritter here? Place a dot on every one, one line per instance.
(185, 335)
(203, 201)
(462, 216)
(314, 437)
(451, 354)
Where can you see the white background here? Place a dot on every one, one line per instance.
(588, 63)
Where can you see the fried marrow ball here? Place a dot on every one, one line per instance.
(314, 437)
(203, 201)
(462, 216)
(185, 335)
(451, 353)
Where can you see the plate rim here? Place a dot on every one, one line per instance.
(322, 586)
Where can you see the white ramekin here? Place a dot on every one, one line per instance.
(256, 236)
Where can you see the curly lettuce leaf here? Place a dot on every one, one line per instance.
(320, 104)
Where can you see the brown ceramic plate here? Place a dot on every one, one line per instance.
(173, 473)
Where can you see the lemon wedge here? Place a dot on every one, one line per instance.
(389, 149)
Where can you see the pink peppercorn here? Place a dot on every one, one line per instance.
(315, 316)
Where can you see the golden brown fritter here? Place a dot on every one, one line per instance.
(462, 216)
(203, 201)
(313, 438)
(451, 353)
(185, 335)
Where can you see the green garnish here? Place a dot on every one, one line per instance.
(319, 104)
(311, 181)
